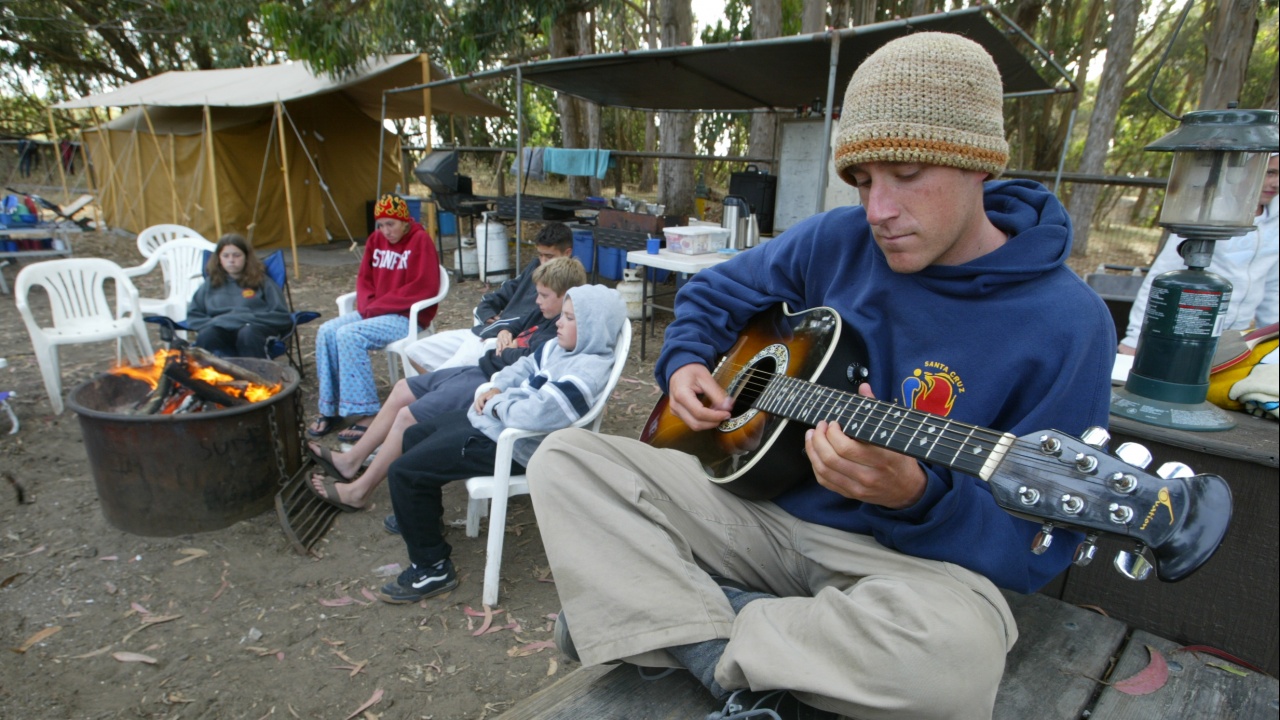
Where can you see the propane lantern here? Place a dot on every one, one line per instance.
(1219, 164)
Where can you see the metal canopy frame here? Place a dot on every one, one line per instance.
(773, 74)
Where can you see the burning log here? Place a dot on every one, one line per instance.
(154, 401)
(179, 373)
(239, 372)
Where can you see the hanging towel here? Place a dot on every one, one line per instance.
(534, 168)
(590, 162)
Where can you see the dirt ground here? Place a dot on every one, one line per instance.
(234, 623)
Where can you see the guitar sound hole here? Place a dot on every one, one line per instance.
(751, 384)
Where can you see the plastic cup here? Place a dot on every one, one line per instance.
(652, 245)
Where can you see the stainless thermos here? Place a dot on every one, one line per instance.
(734, 220)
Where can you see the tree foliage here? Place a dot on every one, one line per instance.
(53, 49)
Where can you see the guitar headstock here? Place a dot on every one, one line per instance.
(1063, 481)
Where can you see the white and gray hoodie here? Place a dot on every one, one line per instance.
(552, 388)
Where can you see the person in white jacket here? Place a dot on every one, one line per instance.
(548, 390)
(1250, 262)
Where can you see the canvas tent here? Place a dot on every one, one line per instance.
(201, 148)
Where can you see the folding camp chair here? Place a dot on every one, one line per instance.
(287, 344)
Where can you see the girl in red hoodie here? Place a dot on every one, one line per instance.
(400, 267)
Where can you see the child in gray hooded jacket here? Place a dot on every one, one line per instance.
(546, 391)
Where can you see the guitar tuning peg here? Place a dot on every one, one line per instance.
(1133, 565)
(1086, 550)
(1096, 437)
(1171, 470)
(1134, 454)
(1042, 540)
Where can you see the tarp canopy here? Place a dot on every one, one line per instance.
(203, 148)
(259, 86)
(780, 73)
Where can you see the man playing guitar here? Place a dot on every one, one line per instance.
(870, 587)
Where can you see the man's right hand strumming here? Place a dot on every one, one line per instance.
(697, 399)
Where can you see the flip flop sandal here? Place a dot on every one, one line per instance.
(331, 492)
(353, 433)
(324, 458)
(325, 424)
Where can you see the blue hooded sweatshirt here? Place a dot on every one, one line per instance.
(1013, 341)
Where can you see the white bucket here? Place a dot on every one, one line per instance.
(492, 250)
(631, 287)
(464, 261)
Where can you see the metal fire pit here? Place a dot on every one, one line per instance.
(166, 475)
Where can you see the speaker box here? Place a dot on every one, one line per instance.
(759, 189)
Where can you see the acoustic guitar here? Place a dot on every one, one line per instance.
(788, 371)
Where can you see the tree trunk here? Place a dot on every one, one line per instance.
(1102, 123)
(1273, 91)
(840, 13)
(862, 12)
(1229, 43)
(675, 177)
(648, 175)
(563, 42)
(766, 22)
(591, 111)
(814, 17)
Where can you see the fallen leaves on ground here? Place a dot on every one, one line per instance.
(124, 656)
(1149, 679)
(373, 700)
(191, 554)
(43, 634)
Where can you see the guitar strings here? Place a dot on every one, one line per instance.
(1022, 453)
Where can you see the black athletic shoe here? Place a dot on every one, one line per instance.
(563, 641)
(768, 705)
(418, 583)
(390, 525)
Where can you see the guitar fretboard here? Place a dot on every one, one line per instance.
(930, 438)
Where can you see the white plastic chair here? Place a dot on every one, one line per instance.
(81, 313)
(150, 239)
(182, 260)
(396, 348)
(492, 492)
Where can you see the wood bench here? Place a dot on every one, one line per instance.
(1055, 671)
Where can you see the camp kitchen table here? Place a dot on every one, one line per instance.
(665, 260)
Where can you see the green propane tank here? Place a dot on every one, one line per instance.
(1185, 312)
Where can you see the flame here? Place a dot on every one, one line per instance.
(151, 374)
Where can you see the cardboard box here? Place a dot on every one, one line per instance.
(696, 240)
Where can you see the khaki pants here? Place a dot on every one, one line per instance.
(632, 532)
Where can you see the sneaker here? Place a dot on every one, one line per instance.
(768, 705)
(390, 525)
(563, 641)
(418, 583)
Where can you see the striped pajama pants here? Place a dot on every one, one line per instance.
(342, 361)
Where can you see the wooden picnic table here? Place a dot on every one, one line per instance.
(1060, 669)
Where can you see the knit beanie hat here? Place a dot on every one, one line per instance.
(392, 206)
(930, 97)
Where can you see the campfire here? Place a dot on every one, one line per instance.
(192, 380)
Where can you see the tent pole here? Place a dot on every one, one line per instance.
(519, 159)
(433, 226)
(826, 122)
(213, 171)
(382, 140)
(62, 171)
(90, 181)
(288, 194)
(137, 159)
(181, 219)
(110, 160)
(168, 171)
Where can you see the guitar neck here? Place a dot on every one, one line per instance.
(929, 438)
